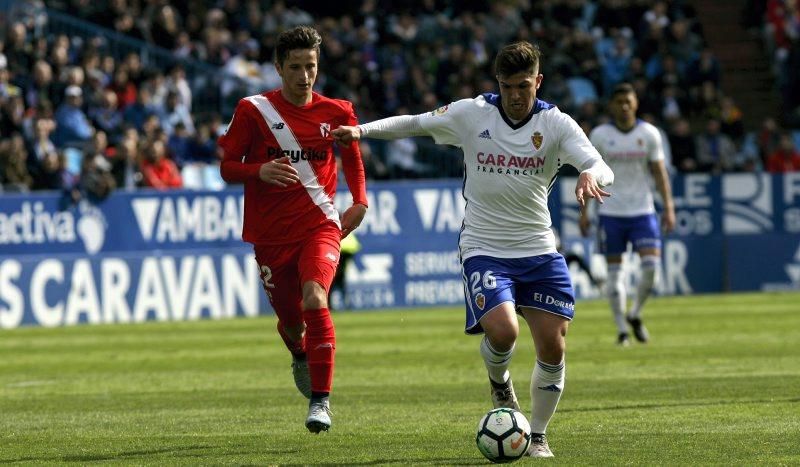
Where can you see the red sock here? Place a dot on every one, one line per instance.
(297, 348)
(320, 348)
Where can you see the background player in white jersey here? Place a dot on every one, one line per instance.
(633, 149)
(513, 145)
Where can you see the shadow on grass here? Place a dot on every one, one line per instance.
(681, 404)
(403, 461)
(110, 456)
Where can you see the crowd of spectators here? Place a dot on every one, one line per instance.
(75, 117)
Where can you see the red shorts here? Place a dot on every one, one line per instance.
(285, 268)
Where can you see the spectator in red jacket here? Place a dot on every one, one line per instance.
(786, 158)
(158, 171)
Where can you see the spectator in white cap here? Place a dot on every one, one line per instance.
(72, 126)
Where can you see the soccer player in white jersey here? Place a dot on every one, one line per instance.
(633, 149)
(513, 144)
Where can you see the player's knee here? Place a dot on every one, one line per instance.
(503, 339)
(552, 351)
(314, 296)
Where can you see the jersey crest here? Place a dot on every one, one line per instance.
(325, 129)
(480, 300)
(440, 111)
(537, 140)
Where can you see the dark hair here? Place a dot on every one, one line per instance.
(623, 88)
(300, 37)
(517, 57)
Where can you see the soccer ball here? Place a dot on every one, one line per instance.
(503, 435)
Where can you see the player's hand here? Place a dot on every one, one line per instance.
(278, 172)
(586, 188)
(344, 135)
(584, 223)
(668, 220)
(352, 218)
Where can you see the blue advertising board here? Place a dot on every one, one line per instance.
(177, 255)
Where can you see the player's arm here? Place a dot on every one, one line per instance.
(353, 168)
(443, 124)
(661, 177)
(401, 126)
(663, 186)
(235, 145)
(584, 221)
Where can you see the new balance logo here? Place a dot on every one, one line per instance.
(485, 134)
(551, 388)
(277, 126)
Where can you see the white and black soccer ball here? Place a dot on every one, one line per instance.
(503, 435)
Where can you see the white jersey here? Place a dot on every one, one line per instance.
(509, 170)
(629, 155)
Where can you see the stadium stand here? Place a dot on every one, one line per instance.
(101, 87)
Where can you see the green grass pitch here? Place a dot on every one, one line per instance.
(718, 384)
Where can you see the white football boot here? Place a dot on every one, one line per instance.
(539, 446)
(319, 416)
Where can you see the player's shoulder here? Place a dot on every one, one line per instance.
(477, 104)
(250, 104)
(337, 104)
(248, 101)
(603, 128)
(648, 129)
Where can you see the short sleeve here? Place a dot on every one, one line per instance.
(656, 149)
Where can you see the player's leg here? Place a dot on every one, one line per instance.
(279, 278)
(617, 297)
(317, 264)
(547, 380)
(490, 309)
(501, 328)
(646, 238)
(612, 243)
(547, 302)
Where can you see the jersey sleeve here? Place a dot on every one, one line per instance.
(235, 144)
(577, 150)
(446, 123)
(655, 148)
(352, 165)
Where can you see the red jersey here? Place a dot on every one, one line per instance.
(778, 162)
(162, 175)
(266, 127)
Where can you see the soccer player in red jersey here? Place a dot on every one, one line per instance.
(279, 144)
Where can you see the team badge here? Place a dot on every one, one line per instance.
(440, 111)
(640, 142)
(537, 139)
(480, 300)
(325, 129)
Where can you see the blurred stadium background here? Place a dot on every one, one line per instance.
(109, 114)
(112, 211)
